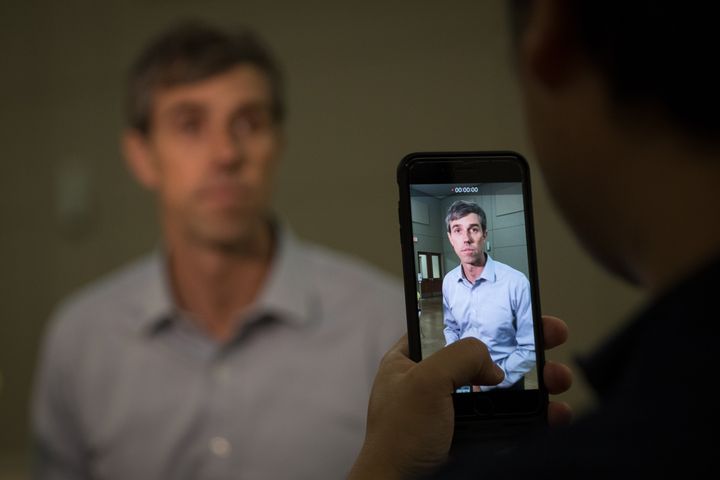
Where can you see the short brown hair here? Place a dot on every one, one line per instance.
(193, 51)
(461, 208)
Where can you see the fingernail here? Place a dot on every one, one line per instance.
(499, 373)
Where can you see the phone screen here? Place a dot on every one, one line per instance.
(470, 251)
(470, 270)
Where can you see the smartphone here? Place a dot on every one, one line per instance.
(469, 270)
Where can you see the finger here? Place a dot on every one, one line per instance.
(556, 331)
(557, 376)
(401, 346)
(559, 414)
(397, 358)
(464, 362)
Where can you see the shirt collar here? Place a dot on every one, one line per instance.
(286, 295)
(487, 274)
(288, 291)
(156, 305)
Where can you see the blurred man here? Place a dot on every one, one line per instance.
(486, 299)
(622, 104)
(236, 350)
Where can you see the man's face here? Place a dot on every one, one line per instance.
(576, 132)
(467, 238)
(212, 152)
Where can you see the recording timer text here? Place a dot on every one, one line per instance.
(464, 189)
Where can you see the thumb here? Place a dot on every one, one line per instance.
(465, 362)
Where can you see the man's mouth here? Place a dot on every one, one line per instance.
(224, 193)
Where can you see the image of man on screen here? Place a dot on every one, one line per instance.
(486, 299)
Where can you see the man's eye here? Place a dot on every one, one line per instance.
(244, 125)
(190, 125)
(250, 123)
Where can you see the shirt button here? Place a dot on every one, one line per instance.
(222, 373)
(219, 446)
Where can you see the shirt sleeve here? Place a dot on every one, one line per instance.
(522, 359)
(452, 329)
(58, 452)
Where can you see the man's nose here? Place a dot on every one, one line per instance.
(227, 149)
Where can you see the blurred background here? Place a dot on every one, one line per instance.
(368, 82)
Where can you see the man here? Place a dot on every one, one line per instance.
(217, 356)
(621, 101)
(486, 299)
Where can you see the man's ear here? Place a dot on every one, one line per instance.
(549, 43)
(139, 158)
(281, 141)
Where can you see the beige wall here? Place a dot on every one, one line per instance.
(368, 83)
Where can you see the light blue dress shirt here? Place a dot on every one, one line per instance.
(495, 309)
(129, 388)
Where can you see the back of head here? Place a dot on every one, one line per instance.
(654, 54)
(622, 101)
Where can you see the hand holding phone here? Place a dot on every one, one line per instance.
(469, 261)
(410, 415)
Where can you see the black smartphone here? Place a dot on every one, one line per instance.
(469, 269)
